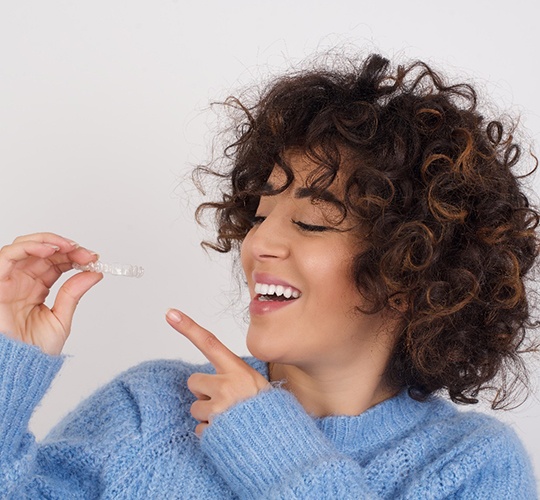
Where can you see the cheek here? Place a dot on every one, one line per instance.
(245, 254)
(335, 297)
(329, 277)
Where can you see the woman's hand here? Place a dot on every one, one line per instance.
(28, 269)
(233, 382)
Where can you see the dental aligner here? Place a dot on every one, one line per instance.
(114, 269)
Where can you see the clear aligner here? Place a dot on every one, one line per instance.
(114, 269)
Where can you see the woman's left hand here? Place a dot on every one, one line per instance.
(233, 382)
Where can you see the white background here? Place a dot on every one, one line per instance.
(104, 110)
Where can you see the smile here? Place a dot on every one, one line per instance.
(266, 292)
(271, 297)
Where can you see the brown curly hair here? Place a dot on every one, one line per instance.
(450, 230)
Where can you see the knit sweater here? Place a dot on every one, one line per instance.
(134, 438)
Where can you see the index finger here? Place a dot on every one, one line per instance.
(12, 255)
(218, 354)
(54, 239)
(66, 246)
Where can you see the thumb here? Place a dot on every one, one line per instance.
(69, 295)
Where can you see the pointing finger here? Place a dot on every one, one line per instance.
(220, 356)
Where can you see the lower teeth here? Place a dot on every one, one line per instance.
(275, 298)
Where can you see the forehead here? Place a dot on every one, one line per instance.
(301, 166)
(310, 179)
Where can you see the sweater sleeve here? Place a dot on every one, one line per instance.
(25, 376)
(74, 461)
(268, 447)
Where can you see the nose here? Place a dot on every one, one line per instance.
(268, 239)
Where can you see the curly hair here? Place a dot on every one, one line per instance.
(450, 230)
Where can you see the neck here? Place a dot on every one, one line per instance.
(325, 391)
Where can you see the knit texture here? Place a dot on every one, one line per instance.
(134, 438)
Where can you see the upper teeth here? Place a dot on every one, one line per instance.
(279, 290)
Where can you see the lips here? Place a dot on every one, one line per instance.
(271, 294)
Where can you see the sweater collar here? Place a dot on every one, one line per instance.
(392, 418)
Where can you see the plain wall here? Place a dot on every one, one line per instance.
(104, 110)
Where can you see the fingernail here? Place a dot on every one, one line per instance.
(94, 253)
(174, 316)
(74, 244)
(52, 246)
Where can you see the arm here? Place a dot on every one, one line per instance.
(268, 447)
(243, 425)
(25, 376)
(89, 453)
(264, 444)
(63, 466)
(32, 337)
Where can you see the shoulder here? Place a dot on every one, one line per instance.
(445, 451)
(476, 449)
(158, 390)
(143, 400)
(477, 429)
(161, 378)
(462, 429)
(490, 439)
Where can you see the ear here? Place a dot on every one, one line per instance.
(399, 302)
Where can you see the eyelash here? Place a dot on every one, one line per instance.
(257, 219)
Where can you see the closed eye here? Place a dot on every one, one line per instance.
(310, 227)
(259, 219)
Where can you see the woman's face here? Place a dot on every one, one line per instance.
(293, 251)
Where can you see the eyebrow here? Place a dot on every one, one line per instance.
(307, 192)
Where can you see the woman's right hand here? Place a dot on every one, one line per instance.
(28, 269)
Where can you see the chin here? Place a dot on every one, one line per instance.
(264, 349)
(258, 351)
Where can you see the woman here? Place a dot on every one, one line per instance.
(385, 239)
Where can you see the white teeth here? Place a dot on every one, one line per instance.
(278, 290)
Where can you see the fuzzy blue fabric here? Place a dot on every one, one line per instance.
(134, 438)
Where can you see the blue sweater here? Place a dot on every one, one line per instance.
(134, 438)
